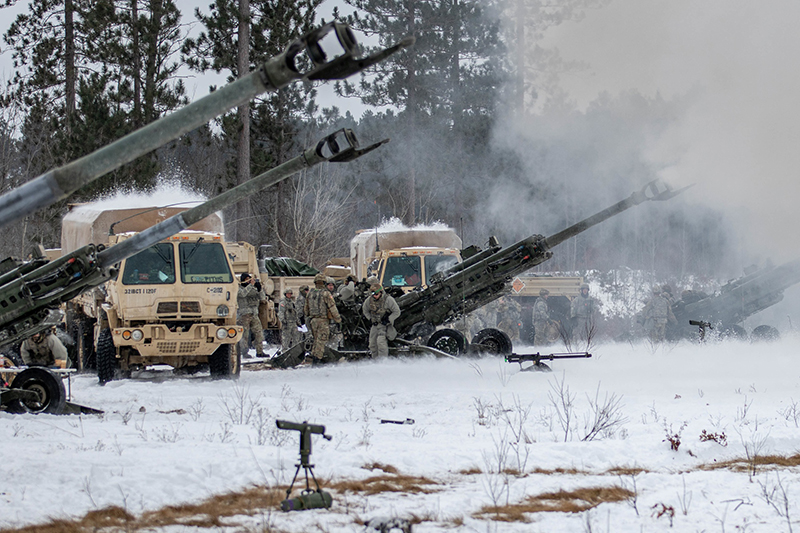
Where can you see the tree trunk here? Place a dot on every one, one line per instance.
(137, 65)
(69, 62)
(242, 226)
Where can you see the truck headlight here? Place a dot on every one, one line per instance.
(232, 332)
(222, 310)
(222, 333)
(137, 335)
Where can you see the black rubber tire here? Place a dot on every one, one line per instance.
(450, 341)
(734, 332)
(765, 333)
(236, 362)
(52, 395)
(493, 342)
(85, 344)
(219, 362)
(106, 357)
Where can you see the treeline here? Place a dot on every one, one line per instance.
(483, 138)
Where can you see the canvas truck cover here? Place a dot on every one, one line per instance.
(90, 223)
(365, 243)
(286, 266)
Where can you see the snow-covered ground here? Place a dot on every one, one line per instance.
(485, 435)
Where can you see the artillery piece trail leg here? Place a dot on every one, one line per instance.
(49, 388)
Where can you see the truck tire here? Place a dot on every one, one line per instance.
(106, 357)
(48, 386)
(450, 341)
(87, 359)
(492, 341)
(219, 362)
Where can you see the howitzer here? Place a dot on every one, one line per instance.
(308, 499)
(30, 293)
(537, 358)
(736, 301)
(314, 56)
(482, 277)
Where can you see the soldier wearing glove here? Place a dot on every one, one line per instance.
(381, 310)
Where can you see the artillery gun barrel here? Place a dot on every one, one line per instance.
(338, 147)
(28, 296)
(325, 61)
(462, 289)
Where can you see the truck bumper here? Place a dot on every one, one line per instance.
(158, 341)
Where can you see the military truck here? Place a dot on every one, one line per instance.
(480, 278)
(173, 303)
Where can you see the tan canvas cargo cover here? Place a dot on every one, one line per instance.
(88, 223)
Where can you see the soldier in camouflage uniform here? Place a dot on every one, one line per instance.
(381, 310)
(656, 313)
(508, 316)
(581, 312)
(250, 295)
(288, 315)
(319, 310)
(541, 319)
(43, 349)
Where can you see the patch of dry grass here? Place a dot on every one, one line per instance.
(386, 483)
(389, 469)
(743, 464)
(212, 512)
(574, 501)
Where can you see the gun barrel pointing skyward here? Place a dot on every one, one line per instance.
(326, 64)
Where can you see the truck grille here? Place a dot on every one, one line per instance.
(190, 307)
(185, 347)
(167, 308)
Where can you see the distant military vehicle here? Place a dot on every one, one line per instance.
(737, 300)
(482, 277)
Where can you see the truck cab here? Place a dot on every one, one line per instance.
(412, 268)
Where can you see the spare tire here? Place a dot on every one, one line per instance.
(47, 385)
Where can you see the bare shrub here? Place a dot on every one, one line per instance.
(661, 510)
(776, 495)
(239, 406)
(563, 402)
(605, 417)
(720, 438)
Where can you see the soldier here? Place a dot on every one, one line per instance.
(347, 292)
(508, 316)
(301, 304)
(330, 284)
(43, 349)
(288, 315)
(250, 295)
(382, 310)
(319, 310)
(581, 312)
(541, 319)
(656, 313)
(666, 292)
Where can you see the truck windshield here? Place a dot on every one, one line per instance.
(402, 271)
(154, 266)
(204, 262)
(437, 263)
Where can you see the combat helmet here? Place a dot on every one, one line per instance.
(319, 279)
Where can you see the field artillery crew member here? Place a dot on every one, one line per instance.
(381, 310)
(319, 310)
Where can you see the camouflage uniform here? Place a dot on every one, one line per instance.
(43, 350)
(347, 292)
(381, 312)
(581, 312)
(288, 315)
(508, 314)
(541, 319)
(319, 310)
(656, 313)
(247, 300)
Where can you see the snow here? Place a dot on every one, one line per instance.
(167, 440)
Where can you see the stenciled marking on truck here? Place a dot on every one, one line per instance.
(214, 290)
(206, 279)
(140, 291)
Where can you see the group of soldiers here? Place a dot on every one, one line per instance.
(314, 311)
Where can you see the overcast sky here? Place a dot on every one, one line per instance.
(739, 141)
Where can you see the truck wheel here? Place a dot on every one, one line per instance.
(236, 362)
(493, 342)
(85, 344)
(219, 362)
(450, 341)
(47, 385)
(106, 357)
(765, 333)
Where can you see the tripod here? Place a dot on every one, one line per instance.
(307, 498)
